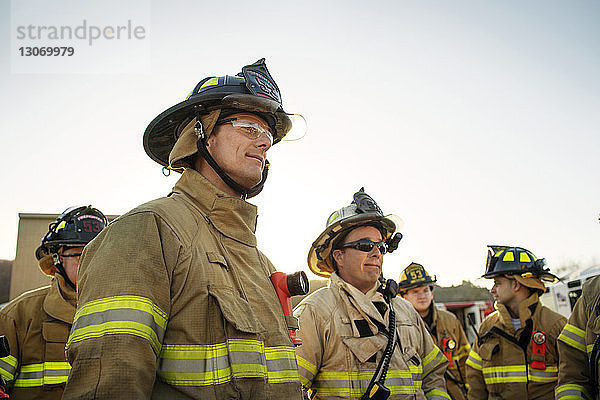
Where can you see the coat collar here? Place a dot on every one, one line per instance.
(358, 305)
(528, 309)
(61, 300)
(232, 216)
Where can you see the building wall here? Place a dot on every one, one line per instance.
(26, 274)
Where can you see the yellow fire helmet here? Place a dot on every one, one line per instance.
(362, 211)
(413, 276)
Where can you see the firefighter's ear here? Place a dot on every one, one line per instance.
(337, 255)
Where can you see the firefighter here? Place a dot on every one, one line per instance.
(416, 286)
(515, 354)
(345, 326)
(189, 310)
(579, 347)
(37, 323)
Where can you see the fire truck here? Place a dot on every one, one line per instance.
(562, 296)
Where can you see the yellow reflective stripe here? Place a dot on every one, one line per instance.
(505, 374)
(462, 350)
(8, 366)
(436, 394)
(133, 315)
(571, 391)
(432, 360)
(354, 384)
(474, 361)
(47, 373)
(574, 337)
(550, 374)
(201, 365)
(281, 364)
(302, 362)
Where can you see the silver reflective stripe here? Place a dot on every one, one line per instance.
(207, 365)
(119, 314)
(7, 369)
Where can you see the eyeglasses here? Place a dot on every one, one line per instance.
(251, 129)
(71, 255)
(366, 246)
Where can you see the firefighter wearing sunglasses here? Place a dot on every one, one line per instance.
(416, 286)
(515, 355)
(189, 310)
(360, 341)
(37, 323)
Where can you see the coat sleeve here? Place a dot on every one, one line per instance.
(123, 308)
(9, 365)
(434, 364)
(573, 370)
(310, 353)
(474, 370)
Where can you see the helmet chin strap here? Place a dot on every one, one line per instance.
(61, 270)
(203, 150)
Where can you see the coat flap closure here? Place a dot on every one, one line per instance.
(216, 258)
(488, 349)
(236, 310)
(595, 325)
(365, 348)
(55, 332)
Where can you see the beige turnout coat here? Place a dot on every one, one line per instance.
(576, 344)
(37, 325)
(342, 345)
(498, 368)
(175, 302)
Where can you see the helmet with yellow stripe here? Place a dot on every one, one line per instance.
(518, 263)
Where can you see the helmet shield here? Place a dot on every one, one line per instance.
(362, 211)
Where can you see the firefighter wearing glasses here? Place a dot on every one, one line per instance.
(416, 286)
(37, 323)
(190, 310)
(347, 351)
(579, 347)
(515, 355)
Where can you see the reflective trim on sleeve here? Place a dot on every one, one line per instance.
(571, 392)
(573, 336)
(130, 315)
(436, 394)
(474, 361)
(432, 360)
(281, 364)
(505, 374)
(354, 384)
(8, 366)
(550, 374)
(203, 365)
(307, 371)
(46, 373)
(462, 352)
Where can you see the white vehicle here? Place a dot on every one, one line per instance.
(470, 314)
(562, 296)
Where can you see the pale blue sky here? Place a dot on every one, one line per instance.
(476, 122)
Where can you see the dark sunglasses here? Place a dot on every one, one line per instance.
(366, 246)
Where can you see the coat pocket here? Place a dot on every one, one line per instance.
(236, 310)
(55, 367)
(492, 362)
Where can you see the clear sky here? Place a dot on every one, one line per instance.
(476, 122)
